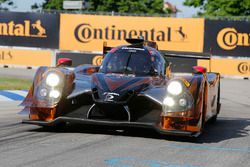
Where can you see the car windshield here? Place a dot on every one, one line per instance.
(128, 61)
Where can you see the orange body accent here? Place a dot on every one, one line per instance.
(178, 123)
(42, 114)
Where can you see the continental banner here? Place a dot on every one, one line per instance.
(229, 67)
(227, 38)
(21, 57)
(29, 29)
(88, 32)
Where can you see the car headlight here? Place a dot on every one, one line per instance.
(54, 94)
(43, 92)
(175, 88)
(52, 79)
(183, 102)
(169, 101)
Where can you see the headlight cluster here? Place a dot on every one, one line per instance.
(52, 87)
(178, 98)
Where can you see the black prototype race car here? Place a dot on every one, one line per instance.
(133, 87)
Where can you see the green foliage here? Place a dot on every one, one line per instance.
(3, 1)
(7, 3)
(53, 4)
(221, 7)
(128, 6)
(120, 6)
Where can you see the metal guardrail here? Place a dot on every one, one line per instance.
(111, 13)
(228, 18)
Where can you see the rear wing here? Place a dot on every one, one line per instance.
(135, 42)
(106, 48)
(189, 55)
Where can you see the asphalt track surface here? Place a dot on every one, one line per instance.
(21, 73)
(223, 144)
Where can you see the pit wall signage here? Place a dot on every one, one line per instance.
(227, 38)
(29, 29)
(88, 32)
(228, 67)
(24, 57)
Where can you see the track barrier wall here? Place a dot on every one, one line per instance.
(228, 67)
(35, 39)
(26, 58)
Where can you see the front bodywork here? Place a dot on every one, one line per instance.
(140, 102)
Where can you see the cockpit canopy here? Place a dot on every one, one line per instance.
(143, 61)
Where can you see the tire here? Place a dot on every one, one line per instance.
(203, 119)
(214, 118)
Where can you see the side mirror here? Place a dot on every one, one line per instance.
(199, 70)
(64, 62)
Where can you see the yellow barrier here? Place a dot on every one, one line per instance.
(25, 57)
(229, 67)
(87, 32)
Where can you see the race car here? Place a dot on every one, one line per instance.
(133, 87)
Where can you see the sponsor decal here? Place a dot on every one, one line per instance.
(244, 68)
(6, 55)
(109, 96)
(88, 32)
(130, 48)
(25, 29)
(229, 39)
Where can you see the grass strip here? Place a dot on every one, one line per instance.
(8, 83)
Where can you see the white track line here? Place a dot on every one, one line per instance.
(4, 98)
(19, 92)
